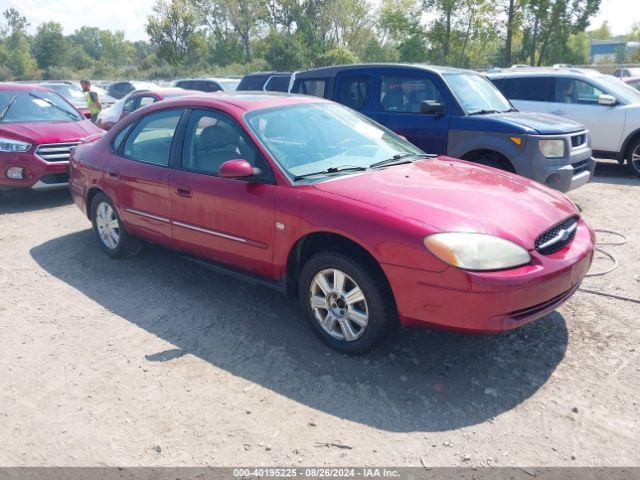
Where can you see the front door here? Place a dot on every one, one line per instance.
(396, 105)
(225, 220)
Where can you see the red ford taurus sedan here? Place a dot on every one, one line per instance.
(312, 198)
(38, 129)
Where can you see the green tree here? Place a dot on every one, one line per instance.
(49, 45)
(336, 56)
(18, 59)
(284, 51)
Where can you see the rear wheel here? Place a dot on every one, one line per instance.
(633, 157)
(112, 236)
(347, 304)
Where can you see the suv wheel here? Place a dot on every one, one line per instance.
(633, 158)
(347, 305)
(113, 238)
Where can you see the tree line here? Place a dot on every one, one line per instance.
(217, 37)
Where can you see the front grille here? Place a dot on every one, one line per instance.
(55, 152)
(580, 166)
(578, 140)
(558, 237)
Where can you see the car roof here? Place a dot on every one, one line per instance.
(545, 72)
(248, 100)
(23, 86)
(332, 71)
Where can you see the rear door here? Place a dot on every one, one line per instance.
(396, 98)
(577, 100)
(225, 220)
(354, 90)
(138, 173)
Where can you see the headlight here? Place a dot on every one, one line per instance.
(476, 251)
(8, 145)
(552, 148)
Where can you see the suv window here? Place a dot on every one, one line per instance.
(212, 139)
(406, 94)
(533, 89)
(253, 82)
(571, 90)
(212, 86)
(354, 92)
(278, 83)
(150, 141)
(312, 87)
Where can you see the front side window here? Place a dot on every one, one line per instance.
(130, 104)
(315, 137)
(150, 141)
(20, 106)
(147, 100)
(212, 139)
(406, 94)
(570, 90)
(212, 87)
(278, 83)
(354, 92)
(476, 94)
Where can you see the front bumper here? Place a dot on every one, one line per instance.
(491, 302)
(37, 174)
(564, 174)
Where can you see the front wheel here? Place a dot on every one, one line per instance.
(113, 238)
(348, 306)
(633, 158)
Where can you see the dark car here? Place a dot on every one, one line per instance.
(120, 90)
(459, 113)
(207, 84)
(266, 81)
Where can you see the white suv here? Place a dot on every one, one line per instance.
(609, 108)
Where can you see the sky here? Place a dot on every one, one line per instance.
(131, 15)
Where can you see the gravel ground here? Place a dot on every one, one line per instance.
(154, 361)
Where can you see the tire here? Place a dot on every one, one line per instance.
(368, 321)
(633, 157)
(495, 160)
(112, 236)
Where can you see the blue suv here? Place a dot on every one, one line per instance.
(459, 113)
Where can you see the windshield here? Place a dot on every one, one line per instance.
(620, 89)
(314, 137)
(476, 94)
(73, 94)
(37, 106)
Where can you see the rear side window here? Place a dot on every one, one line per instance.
(150, 141)
(571, 90)
(213, 87)
(252, 82)
(533, 89)
(147, 100)
(354, 92)
(277, 84)
(313, 87)
(406, 94)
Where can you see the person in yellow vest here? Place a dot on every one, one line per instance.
(93, 102)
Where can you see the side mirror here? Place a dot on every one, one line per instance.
(607, 100)
(430, 107)
(236, 169)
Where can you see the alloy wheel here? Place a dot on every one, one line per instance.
(108, 226)
(339, 304)
(635, 159)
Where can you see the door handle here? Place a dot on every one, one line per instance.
(184, 191)
(113, 173)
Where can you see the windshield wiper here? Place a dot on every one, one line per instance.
(344, 168)
(6, 109)
(399, 158)
(484, 112)
(63, 110)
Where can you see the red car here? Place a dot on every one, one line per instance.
(135, 100)
(38, 129)
(633, 81)
(312, 198)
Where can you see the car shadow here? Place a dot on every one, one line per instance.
(422, 380)
(26, 200)
(612, 172)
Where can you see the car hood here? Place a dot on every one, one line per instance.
(542, 123)
(49, 132)
(456, 196)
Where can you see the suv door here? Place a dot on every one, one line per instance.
(226, 220)
(354, 90)
(138, 173)
(577, 99)
(396, 105)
